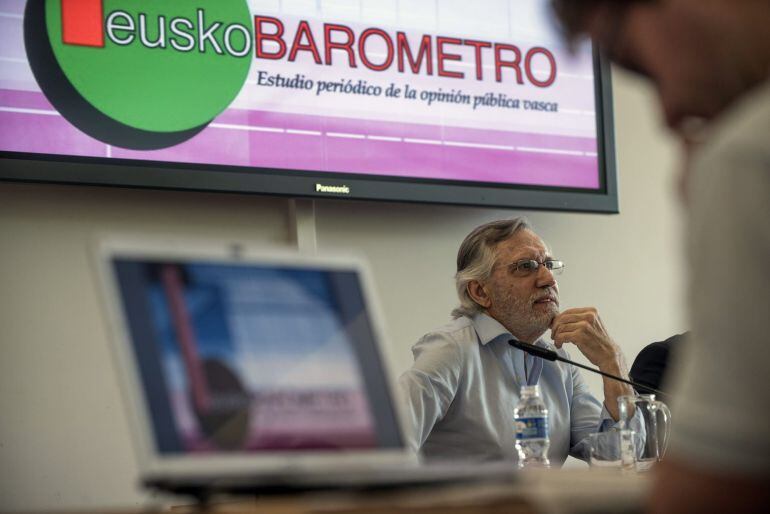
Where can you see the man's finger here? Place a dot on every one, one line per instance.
(569, 336)
(578, 310)
(575, 314)
(577, 326)
(563, 318)
(577, 338)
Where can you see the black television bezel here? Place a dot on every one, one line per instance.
(98, 171)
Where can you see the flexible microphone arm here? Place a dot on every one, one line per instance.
(545, 353)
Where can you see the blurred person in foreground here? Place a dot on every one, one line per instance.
(710, 63)
(465, 381)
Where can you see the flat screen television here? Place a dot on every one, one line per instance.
(445, 101)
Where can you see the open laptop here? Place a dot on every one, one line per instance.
(257, 371)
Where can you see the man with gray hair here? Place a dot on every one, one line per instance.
(465, 381)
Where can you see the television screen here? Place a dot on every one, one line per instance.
(476, 103)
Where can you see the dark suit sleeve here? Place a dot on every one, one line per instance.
(650, 365)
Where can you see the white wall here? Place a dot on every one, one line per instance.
(64, 441)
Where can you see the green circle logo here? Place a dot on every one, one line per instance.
(139, 74)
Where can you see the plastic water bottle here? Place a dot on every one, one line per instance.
(531, 418)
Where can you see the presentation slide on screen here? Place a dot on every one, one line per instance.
(480, 92)
(255, 359)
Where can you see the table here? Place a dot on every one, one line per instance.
(531, 492)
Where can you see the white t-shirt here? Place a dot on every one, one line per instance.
(721, 391)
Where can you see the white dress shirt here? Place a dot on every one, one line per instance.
(464, 384)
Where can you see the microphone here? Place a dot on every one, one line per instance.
(545, 353)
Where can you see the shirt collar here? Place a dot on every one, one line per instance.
(488, 328)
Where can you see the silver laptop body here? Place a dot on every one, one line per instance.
(255, 370)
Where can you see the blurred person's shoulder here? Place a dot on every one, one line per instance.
(739, 137)
(731, 171)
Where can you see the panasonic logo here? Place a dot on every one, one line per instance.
(339, 190)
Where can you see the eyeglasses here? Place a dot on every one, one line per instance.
(527, 267)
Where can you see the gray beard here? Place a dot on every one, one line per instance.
(519, 318)
(527, 330)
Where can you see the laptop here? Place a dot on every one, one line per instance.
(257, 371)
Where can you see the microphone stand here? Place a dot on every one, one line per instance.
(545, 353)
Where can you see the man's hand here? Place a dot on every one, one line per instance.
(584, 328)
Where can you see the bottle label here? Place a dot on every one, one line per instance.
(531, 428)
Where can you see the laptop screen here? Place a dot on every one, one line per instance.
(255, 357)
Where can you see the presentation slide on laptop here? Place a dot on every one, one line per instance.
(249, 358)
(481, 91)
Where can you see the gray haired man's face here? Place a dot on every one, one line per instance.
(524, 305)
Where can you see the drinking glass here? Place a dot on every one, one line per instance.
(612, 449)
(655, 419)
